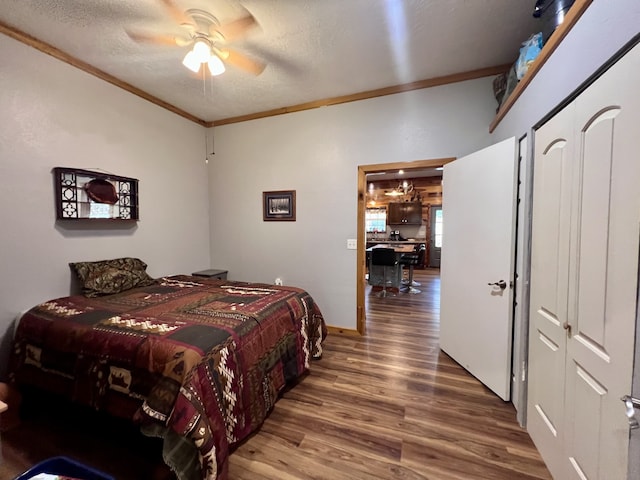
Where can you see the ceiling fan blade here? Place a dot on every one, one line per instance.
(154, 38)
(233, 30)
(177, 14)
(237, 59)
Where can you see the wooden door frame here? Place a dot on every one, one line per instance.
(363, 170)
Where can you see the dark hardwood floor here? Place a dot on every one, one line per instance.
(389, 405)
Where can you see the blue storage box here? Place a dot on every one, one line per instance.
(64, 466)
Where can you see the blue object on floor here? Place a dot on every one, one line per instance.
(64, 466)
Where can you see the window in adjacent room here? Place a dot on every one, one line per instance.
(438, 228)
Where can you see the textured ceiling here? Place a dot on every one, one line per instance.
(314, 49)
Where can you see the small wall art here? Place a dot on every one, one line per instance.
(279, 206)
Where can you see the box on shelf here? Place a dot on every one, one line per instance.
(551, 14)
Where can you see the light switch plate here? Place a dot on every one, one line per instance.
(352, 243)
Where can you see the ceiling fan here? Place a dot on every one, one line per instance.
(208, 38)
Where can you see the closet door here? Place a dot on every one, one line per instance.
(549, 286)
(584, 278)
(603, 273)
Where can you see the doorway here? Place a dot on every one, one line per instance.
(363, 171)
(435, 236)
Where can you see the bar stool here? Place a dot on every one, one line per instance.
(384, 257)
(411, 260)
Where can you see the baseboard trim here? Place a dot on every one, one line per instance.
(343, 331)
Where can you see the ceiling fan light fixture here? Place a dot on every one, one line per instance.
(216, 67)
(202, 50)
(403, 188)
(191, 61)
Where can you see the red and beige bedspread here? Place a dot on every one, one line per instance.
(204, 359)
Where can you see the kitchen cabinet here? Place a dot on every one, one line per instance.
(405, 213)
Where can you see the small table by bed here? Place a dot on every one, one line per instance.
(212, 273)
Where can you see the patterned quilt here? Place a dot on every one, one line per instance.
(202, 359)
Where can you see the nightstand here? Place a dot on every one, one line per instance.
(211, 273)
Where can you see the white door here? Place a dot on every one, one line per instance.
(477, 249)
(549, 286)
(583, 300)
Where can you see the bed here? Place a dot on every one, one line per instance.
(196, 361)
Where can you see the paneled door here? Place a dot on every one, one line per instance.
(476, 300)
(584, 278)
(549, 286)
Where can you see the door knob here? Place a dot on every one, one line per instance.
(502, 284)
(631, 404)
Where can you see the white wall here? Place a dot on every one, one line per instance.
(316, 152)
(52, 114)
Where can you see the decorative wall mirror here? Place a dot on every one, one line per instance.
(83, 194)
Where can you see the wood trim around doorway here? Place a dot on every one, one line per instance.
(363, 170)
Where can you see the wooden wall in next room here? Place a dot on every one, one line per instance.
(430, 189)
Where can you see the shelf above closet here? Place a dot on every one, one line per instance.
(574, 14)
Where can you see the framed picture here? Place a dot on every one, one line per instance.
(279, 206)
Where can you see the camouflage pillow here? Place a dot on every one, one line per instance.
(106, 277)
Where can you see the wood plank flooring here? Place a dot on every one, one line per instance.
(389, 405)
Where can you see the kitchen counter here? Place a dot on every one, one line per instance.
(402, 242)
(395, 243)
